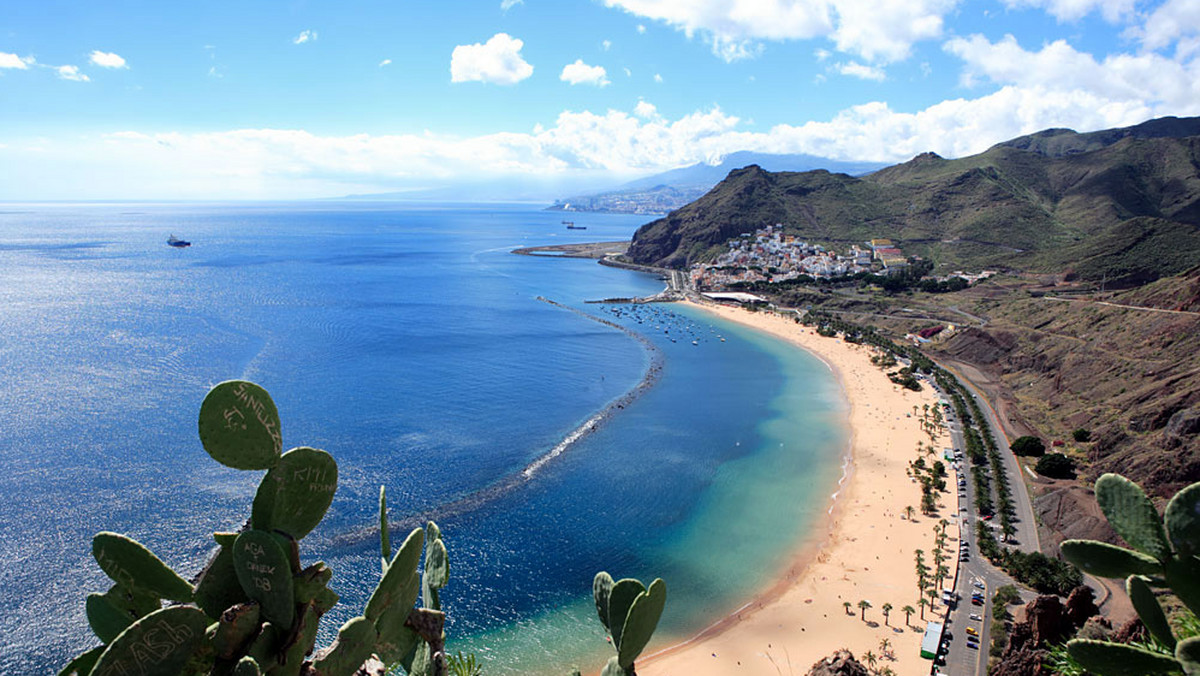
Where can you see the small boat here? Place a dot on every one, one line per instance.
(177, 243)
(571, 226)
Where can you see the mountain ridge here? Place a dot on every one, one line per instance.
(1039, 209)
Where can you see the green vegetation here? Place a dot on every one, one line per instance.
(1081, 435)
(1164, 555)
(1056, 466)
(1028, 445)
(254, 610)
(1121, 211)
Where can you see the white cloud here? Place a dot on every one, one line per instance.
(509, 4)
(658, 78)
(1073, 10)
(13, 61)
(282, 163)
(645, 110)
(641, 29)
(1173, 20)
(628, 73)
(304, 36)
(860, 71)
(1148, 79)
(107, 60)
(72, 73)
(606, 45)
(498, 61)
(880, 32)
(581, 73)
(385, 62)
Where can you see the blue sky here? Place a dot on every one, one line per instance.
(279, 100)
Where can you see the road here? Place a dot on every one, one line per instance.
(961, 658)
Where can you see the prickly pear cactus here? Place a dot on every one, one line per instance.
(239, 426)
(630, 612)
(295, 494)
(1165, 556)
(255, 610)
(128, 563)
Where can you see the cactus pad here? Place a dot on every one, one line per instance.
(641, 622)
(396, 641)
(106, 618)
(619, 602)
(385, 542)
(354, 644)
(1116, 659)
(235, 630)
(437, 573)
(1183, 520)
(239, 426)
(265, 575)
(399, 584)
(1132, 515)
(1188, 654)
(128, 563)
(1149, 611)
(602, 586)
(1105, 560)
(218, 587)
(246, 667)
(83, 664)
(159, 644)
(1183, 576)
(295, 494)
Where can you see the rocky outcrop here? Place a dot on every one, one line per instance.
(1047, 622)
(841, 663)
(1081, 606)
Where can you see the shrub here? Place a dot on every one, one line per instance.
(1055, 465)
(1028, 445)
(1081, 435)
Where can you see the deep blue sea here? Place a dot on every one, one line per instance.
(408, 342)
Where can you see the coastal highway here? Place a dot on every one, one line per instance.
(976, 574)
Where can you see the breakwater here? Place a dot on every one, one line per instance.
(509, 483)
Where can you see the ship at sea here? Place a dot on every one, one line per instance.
(571, 226)
(177, 243)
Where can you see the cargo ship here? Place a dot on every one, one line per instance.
(177, 243)
(571, 226)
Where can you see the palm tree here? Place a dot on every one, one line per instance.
(908, 512)
(847, 605)
(885, 646)
(922, 603)
(871, 659)
(863, 605)
(908, 611)
(887, 608)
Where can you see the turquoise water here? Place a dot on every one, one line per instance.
(410, 344)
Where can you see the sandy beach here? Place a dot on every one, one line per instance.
(865, 551)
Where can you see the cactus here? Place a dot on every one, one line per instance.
(255, 609)
(295, 494)
(239, 426)
(159, 644)
(266, 576)
(1166, 557)
(630, 612)
(127, 562)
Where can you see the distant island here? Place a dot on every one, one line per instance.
(670, 190)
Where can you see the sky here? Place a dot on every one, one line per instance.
(537, 99)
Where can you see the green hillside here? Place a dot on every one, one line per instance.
(1054, 201)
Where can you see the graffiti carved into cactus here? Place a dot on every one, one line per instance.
(254, 609)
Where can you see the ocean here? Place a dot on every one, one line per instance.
(412, 345)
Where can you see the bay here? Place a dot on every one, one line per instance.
(408, 342)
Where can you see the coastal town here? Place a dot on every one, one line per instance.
(769, 255)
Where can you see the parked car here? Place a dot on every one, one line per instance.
(977, 618)
(971, 631)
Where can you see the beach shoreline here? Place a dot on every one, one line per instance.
(801, 617)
